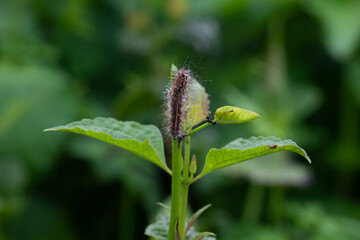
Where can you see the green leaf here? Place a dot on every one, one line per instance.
(173, 68)
(195, 216)
(159, 229)
(234, 115)
(241, 150)
(202, 235)
(143, 140)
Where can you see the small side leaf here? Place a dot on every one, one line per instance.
(234, 115)
(173, 69)
(241, 150)
(164, 206)
(195, 216)
(202, 235)
(143, 140)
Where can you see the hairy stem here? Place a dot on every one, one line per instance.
(199, 128)
(184, 188)
(175, 188)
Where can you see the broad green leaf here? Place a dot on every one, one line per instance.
(198, 105)
(241, 150)
(143, 140)
(234, 115)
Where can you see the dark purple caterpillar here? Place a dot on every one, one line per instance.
(176, 103)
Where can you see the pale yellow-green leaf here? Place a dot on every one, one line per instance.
(197, 105)
(234, 115)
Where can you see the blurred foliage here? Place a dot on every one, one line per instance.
(315, 223)
(296, 63)
(341, 25)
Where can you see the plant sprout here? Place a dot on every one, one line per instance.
(187, 112)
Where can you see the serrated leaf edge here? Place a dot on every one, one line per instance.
(147, 141)
(277, 149)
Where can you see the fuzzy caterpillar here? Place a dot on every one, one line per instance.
(176, 104)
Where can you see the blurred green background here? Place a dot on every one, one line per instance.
(295, 62)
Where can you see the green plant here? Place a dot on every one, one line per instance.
(187, 106)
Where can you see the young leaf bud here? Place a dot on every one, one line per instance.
(193, 165)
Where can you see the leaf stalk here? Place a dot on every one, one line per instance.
(198, 128)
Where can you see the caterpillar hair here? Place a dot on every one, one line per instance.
(176, 103)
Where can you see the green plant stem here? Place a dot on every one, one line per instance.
(198, 128)
(276, 204)
(175, 187)
(253, 203)
(127, 217)
(184, 188)
(191, 181)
